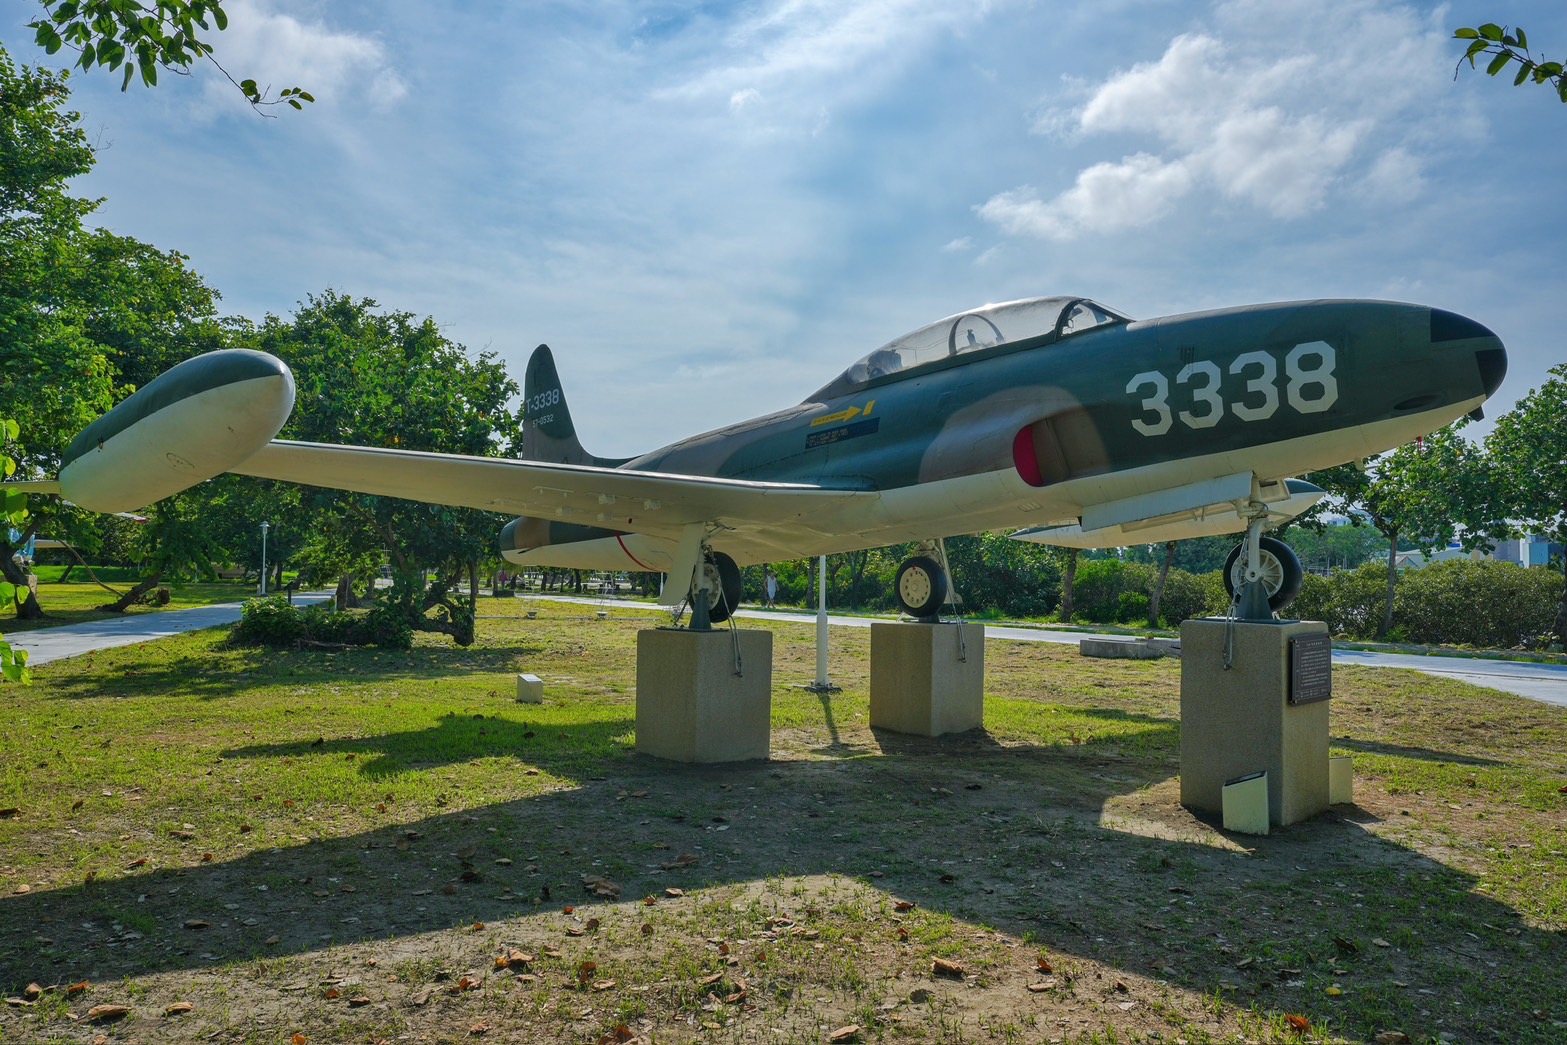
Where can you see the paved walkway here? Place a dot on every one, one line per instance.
(1546, 683)
(1543, 682)
(46, 644)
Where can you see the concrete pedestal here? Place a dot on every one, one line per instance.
(692, 707)
(925, 681)
(1240, 721)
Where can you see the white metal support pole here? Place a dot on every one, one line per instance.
(821, 623)
(264, 526)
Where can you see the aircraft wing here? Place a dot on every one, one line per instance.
(654, 503)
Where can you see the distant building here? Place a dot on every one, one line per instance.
(1533, 550)
(1415, 560)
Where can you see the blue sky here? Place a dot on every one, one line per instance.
(709, 209)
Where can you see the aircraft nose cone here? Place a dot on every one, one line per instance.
(1490, 355)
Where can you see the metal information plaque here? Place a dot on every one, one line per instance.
(1311, 669)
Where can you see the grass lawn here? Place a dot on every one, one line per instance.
(76, 601)
(381, 846)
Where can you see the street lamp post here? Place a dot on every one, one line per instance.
(264, 526)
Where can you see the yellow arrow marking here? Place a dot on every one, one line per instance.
(841, 415)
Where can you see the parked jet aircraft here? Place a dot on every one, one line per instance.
(1056, 414)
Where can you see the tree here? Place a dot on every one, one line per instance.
(145, 38)
(13, 513)
(86, 317)
(386, 379)
(1528, 451)
(1506, 46)
(1415, 498)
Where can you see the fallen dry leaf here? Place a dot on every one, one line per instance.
(585, 971)
(647, 928)
(482, 1027)
(197, 923)
(331, 992)
(942, 967)
(358, 1002)
(604, 985)
(1042, 986)
(179, 1008)
(77, 988)
(843, 1034)
(903, 905)
(32, 992)
(298, 1039)
(107, 1012)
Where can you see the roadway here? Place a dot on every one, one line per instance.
(71, 640)
(1546, 683)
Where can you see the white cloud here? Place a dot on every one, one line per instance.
(1277, 108)
(803, 51)
(959, 246)
(1107, 197)
(279, 51)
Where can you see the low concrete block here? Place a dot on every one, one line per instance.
(1121, 649)
(927, 679)
(1237, 720)
(530, 689)
(1341, 780)
(692, 707)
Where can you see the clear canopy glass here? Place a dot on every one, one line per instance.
(984, 327)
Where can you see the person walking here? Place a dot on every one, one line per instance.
(770, 587)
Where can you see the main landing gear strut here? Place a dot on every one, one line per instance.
(715, 590)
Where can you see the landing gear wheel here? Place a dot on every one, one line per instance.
(722, 578)
(921, 587)
(1281, 572)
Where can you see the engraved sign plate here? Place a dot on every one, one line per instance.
(1311, 669)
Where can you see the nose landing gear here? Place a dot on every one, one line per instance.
(1265, 572)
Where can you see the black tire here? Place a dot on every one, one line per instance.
(723, 598)
(921, 587)
(1281, 572)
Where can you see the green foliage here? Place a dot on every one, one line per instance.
(1132, 608)
(1315, 600)
(1101, 583)
(995, 573)
(1188, 595)
(13, 662)
(1504, 46)
(144, 38)
(1489, 604)
(1527, 449)
(273, 622)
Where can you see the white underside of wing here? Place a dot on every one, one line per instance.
(646, 502)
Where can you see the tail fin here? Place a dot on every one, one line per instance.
(547, 431)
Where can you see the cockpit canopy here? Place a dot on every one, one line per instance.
(984, 327)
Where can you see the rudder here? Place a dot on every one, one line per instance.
(548, 433)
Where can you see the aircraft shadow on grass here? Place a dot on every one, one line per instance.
(199, 675)
(1015, 837)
